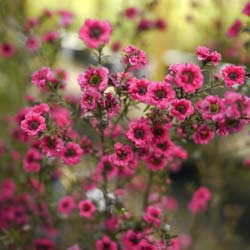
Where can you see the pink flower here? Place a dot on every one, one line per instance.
(131, 12)
(131, 239)
(233, 75)
(160, 24)
(107, 167)
(7, 189)
(71, 154)
(65, 205)
(31, 162)
(106, 243)
(160, 94)
(134, 57)
(145, 24)
(153, 215)
(160, 132)
(94, 77)
(123, 154)
(87, 208)
(51, 145)
(181, 109)
(170, 203)
(41, 109)
(110, 103)
(41, 77)
(51, 36)
(200, 199)
(140, 132)
(204, 54)
(246, 9)
(189, 77)
(43, 243)
(163, 148)
(155, 162)
(89, 99)
(146, 244)
(212, 107)
(95, 32)
(32, 43)
(67, 18)
(203, 134)
(234, 29)
(7, 50)
(138, 89)
(33, 124)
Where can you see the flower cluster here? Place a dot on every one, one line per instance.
(127, 153)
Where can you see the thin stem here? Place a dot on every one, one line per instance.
(148, 188)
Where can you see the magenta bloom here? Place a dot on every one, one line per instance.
(146, 244)
(31, 161)
(51, 36)
(160, 94)
(95, 32)
(41, 77)
(200, 199)
(51, 145)
(163, 148)
(7, 189)
(189, 77)
(33, 124)
(94, 77)
(123, 154)
(106, 243)
(32, 43)
(71, 154)
(131, 12)
(235, 28)
(140, 132)
(212, 107)
(7, 50)
(134, 57)
(246, 9)
(107, 167)
(233, 75)
(153, 215)
(131, 239)
(205, 55)
(110, 103)
(181, 109)
(44, 243)
(155, 162)
(86, 208)
(67, 18)
(160, 133)
(89, 99)
(65, 205)
(138, 89)
(203, 135)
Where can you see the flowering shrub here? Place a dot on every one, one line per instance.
(50, 138)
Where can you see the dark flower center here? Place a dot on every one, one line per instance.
(163, 145)
(95, 80)
(142, 90)
(214, 108)
(70, 152)
(160, 94)
(158, 132)
(133, 239)
(65, 205)
(233, 76)
(107, 166)
(86, 207)
(6, 47)
(89, 99)
(33, 125)
(232, 123)
(156, 161)
(121, 155)
(181, 109)
(139, 133)
(95, 32)
(42, 247)
(189, 76)
(204, 133)
(106, 246)
(50, 143)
